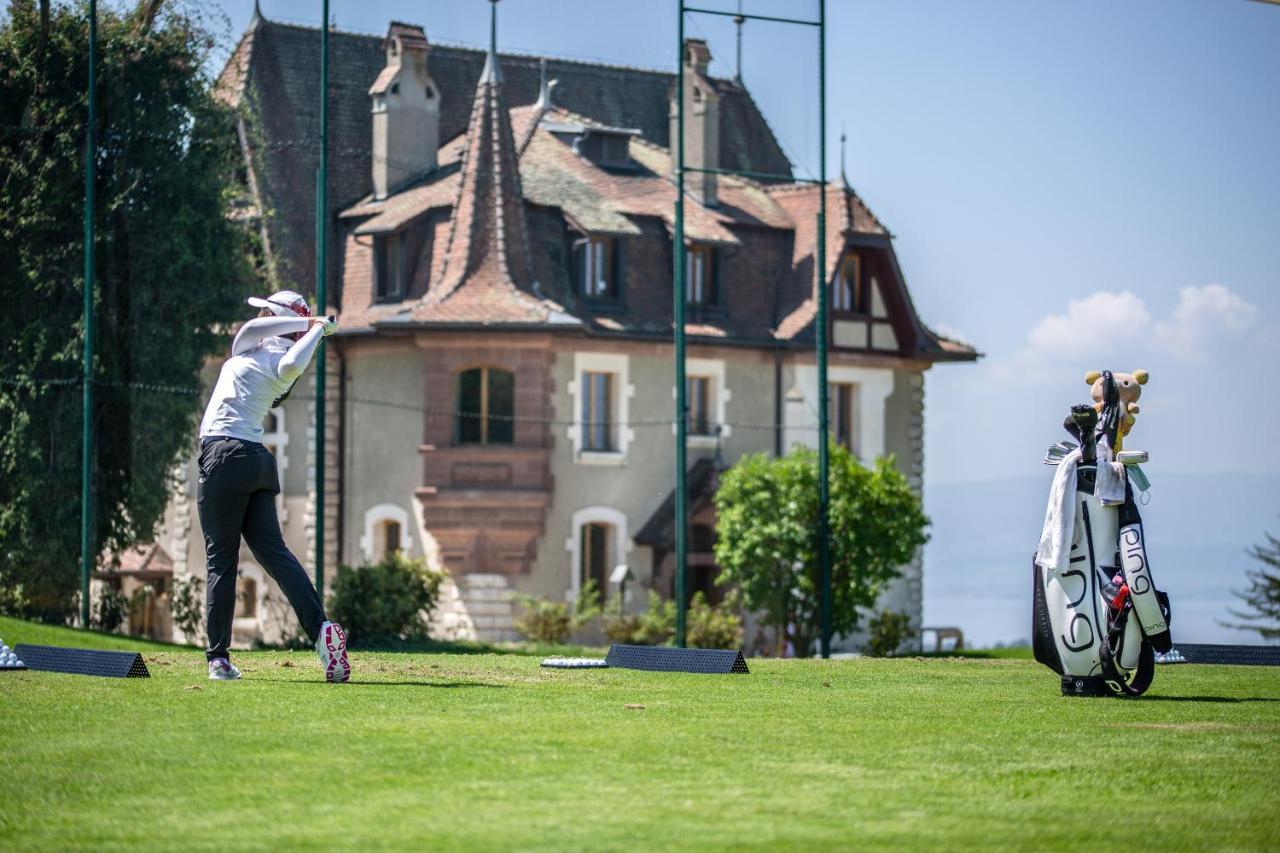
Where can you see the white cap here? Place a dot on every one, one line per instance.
(283, 303)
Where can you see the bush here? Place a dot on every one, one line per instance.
(888, 631)
(110, 609)
(551, 622)
(186, 604)
(653, 627)
(708, 627)
(384, 602)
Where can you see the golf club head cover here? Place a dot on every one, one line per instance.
(1147, 606)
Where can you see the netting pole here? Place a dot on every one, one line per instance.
(682, 498)
(86, 440)
(824, 486)
(322, 256)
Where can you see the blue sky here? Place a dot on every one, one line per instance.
(1072, 186)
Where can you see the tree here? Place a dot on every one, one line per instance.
(766, 543)
(1263, 594)
(172, 270)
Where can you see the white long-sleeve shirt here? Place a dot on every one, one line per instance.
(262, 366)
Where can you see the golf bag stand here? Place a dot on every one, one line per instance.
(1097, 617)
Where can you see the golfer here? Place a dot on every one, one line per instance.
(239, 481)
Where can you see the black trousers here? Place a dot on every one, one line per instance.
(237, 496)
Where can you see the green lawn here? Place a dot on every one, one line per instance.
(443, 751)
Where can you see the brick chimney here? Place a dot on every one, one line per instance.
(406, 111)
(701, 123)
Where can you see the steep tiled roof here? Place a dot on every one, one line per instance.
(486, 274)
(274, 74)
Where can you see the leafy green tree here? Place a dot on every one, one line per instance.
(767, 544)
(172, 270)
(1263, 594)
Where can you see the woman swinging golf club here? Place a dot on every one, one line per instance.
(239, 482)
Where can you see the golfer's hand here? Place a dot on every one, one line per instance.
(329, 324)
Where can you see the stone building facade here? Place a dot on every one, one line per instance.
(500, 396)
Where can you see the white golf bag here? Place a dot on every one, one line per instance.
(1097, 617)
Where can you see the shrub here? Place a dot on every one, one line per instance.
(544, 621)
(110, 609)
(186, 604)
(653, 627)
(387, 601)
(887, 632)
(708, 627)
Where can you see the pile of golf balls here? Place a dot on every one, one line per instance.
(8, 660)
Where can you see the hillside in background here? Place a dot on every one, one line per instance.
(978, 563)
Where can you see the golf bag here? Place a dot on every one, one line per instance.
(1097, 617)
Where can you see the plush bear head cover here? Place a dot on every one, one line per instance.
(1129, 387)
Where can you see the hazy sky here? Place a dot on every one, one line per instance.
(1072, 185)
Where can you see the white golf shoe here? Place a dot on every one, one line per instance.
(220, 669)
(331, 645)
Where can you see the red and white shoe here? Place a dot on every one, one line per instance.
(331, 645)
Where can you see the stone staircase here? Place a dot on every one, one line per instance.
(476, 607)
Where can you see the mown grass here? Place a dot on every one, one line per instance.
(433, 751)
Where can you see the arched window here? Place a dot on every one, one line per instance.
(595, 555)
(597, 543)
(484, 404)
(386, 530)
(390, 543)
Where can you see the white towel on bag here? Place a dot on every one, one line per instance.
(1059, 516)
(1109, 485)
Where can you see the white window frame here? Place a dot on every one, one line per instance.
(621, 543)
(602, 362)
(713, 369)
(376, 515)
(873, 384)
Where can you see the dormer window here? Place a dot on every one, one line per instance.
(847, 292)
(389, 267)
(700, 276)
(608, 148)
(597, 268)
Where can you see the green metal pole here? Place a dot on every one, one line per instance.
(86, 440)
(322, 256)
(682, 498)
(824, 487)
